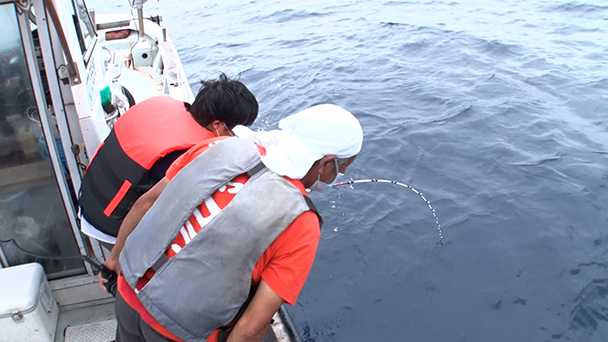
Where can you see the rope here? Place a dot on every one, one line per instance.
(23, 5)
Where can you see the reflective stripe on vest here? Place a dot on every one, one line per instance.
(189, 294)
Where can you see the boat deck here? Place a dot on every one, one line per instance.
(89, 323)
(97, 322)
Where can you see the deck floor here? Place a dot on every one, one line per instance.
(79, 320)
(97, 323)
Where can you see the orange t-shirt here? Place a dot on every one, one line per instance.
(284, 265)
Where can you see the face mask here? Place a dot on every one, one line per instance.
(318, 185)
(229, 130)
(217, 133)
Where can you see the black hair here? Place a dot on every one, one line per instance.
(224, 100)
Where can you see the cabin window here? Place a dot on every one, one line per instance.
(84, 26)
(32, 212)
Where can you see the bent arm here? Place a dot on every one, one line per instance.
(140, 207)
(253, 325)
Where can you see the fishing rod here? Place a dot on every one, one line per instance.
(428, 203)
(106, 273)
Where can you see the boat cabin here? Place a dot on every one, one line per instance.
(59, 61)
(56, 58)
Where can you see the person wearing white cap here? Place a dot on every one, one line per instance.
(232, 234)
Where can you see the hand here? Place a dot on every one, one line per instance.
(111, 264)
(129, 223)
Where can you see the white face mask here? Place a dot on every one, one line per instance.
(217, 133)
(318, 185)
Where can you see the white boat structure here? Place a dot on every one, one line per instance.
(57, 57)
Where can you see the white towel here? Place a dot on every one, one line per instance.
(306, 137)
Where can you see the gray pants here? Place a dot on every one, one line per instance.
(130, 327)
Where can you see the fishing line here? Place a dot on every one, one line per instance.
(428, 203)
(105, 272)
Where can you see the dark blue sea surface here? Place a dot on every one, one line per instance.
(496, 110)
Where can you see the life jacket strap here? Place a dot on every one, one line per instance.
(254, 170)
(312, 207)
(160, 262)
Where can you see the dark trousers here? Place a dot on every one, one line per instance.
(130, 327)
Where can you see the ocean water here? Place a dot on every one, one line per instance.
(496, 110)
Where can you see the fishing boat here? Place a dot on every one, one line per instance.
(66, 76)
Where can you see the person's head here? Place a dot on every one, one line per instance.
(313, 145)
(330, 132)
(220, 105)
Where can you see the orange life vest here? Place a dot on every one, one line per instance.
(118, 173)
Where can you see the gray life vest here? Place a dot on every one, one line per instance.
(203, 286)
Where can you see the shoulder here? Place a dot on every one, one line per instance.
(306, 226)
(190, 155)
(304, 231)
(298, 241)
(287, 261)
